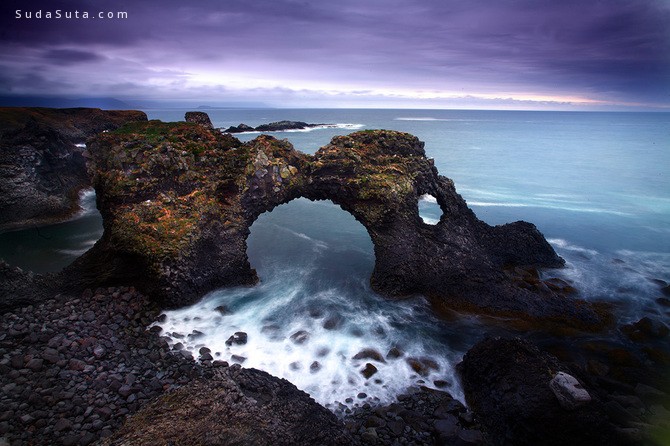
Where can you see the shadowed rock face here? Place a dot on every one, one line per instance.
(507, 384)
(236, 407)
(41, 169)
(178, 200)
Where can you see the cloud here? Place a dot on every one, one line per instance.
(602, 51)
(69, 57)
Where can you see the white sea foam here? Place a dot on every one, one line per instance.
(348, 126)
(430, 119)
(421, 118)
(625, 276)
(328, 126)
(544, 205)
(323, 364)
(564, 244)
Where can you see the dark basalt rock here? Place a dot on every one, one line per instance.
(283, 125)
(273, 127)
(41, 169)
(239, 129)
(507, 384)
(234, 407)
(19, 288)
(178, 200)
(199, 118)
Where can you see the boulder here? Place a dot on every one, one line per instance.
(569, 391)
(200, 118)
(507, 383)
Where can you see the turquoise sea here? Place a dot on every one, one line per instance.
(595, 184)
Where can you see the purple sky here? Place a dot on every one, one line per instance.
(556, 54)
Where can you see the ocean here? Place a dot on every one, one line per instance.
(595, 184)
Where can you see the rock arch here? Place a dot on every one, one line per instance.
(178, 200)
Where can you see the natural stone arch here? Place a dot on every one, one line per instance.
(178, 200)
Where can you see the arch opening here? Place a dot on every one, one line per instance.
(429, 209)
(314, 319)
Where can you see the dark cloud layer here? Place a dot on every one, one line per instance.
(615, 51)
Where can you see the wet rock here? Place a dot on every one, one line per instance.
(222, 310)
(295, 365)
(238, 338)
(238, 359)
(446, 427)
(333, 322)
(300, 337)
(369, 353)
(369, 370)
(645, 329)
(423, 366)
(394, 353)
(196, 334)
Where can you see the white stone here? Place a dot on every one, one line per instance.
(569, 391)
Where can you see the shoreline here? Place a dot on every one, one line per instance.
(86, 382)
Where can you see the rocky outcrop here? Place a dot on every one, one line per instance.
(41, 169)
(234, 407)
(199, 118)
(510, 384)
(19, 288)
(178, 200)
(274, 127)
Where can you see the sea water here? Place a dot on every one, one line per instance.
(594, 183)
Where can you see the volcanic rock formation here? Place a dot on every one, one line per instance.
(178, 200)
(41, 169)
